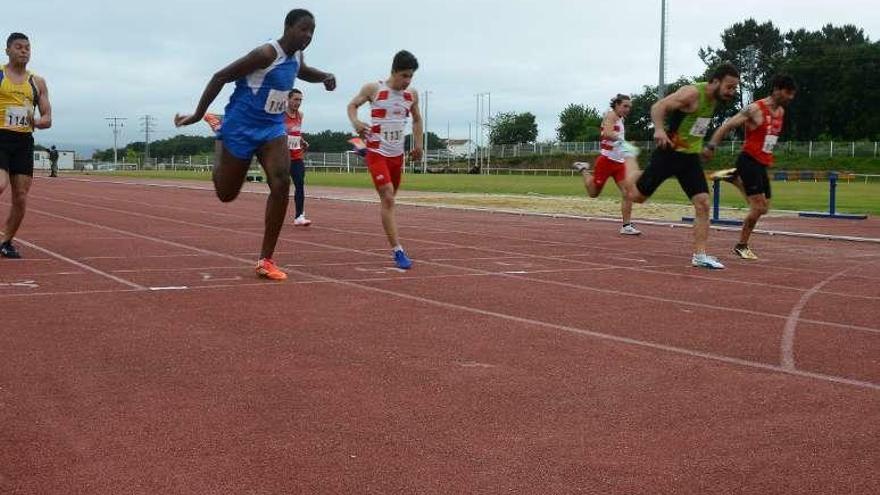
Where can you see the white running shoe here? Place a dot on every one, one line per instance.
(628, 229)
(582, 166)
(703, 260)
(302, 221)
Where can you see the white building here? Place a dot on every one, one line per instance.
(459, 147)
(65, 160)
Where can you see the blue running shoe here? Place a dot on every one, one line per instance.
(402, 261)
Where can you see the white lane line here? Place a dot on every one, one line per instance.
(81, 265)
(531, 240)
(460, 268)
(790, 329)
(504, 316)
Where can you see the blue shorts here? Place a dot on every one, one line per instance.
(242, 138)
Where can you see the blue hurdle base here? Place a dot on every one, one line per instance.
(841, 216)
(716, 221)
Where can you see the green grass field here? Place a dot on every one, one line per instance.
(798, 196)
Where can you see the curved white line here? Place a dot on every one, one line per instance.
(790, 329)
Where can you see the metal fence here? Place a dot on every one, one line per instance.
(484, 159)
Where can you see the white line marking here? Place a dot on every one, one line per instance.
(790, 329)
(170, 287)
(207, 277)
(81, 265)
(27, 284)
(574, 330)
(543, 281)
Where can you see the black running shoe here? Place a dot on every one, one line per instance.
(7, 250)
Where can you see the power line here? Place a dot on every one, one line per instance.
(116, 123)
(148, 124)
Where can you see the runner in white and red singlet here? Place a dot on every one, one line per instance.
(617, 160)
(392, 103)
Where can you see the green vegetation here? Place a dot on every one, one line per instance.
(856, 197)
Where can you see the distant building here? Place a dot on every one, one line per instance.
(65, 160)
(459, 147)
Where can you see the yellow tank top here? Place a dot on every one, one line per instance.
(17, 102)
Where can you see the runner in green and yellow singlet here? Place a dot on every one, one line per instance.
(679, 145)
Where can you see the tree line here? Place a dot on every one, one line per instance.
(837, 69)
(181, 145)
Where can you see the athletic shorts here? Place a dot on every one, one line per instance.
(384, 169)
(685, 167)
(605, 168)
(242, 139)
(754, 175)
(17, 152)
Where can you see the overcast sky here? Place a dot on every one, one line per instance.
(129, 59)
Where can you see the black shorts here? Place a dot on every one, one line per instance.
(754, 175)
(17, 152)
(686, 167)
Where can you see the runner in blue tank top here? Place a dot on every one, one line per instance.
(254, 122)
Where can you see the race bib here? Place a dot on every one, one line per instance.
(393, 133)
(16, 117)
(276, 102)
(701, 126)
(770, 143)
(294, 142)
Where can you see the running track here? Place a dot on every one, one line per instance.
(139, 355)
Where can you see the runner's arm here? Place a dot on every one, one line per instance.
(608, 126)
(684, 98)
(417, 127)
(313, 75)
(745, 115)
(45, 120)
(258, 58)
(364, 95)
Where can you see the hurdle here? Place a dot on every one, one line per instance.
(716, 208)
(832, 204)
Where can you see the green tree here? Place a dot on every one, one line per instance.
(838, 73)
(755, 49)
(513, 128)
(434, 141)
(639, 126)
(578, 123)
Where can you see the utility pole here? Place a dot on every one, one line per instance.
(482, 98)
(661, 86)
(425, 137)
(116, 123)
(147, 125)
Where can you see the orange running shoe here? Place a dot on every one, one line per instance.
(266, 268)
(214, 121)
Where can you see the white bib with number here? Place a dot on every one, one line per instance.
(16, 117)
(769, 143)
(392, 133)
(701, 126)
(294, 142)
(276, 102)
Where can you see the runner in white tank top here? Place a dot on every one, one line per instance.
(617, 160)
(389, 110)
(392, 103)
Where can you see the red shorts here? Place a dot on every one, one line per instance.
(384, 169)
(605, 168)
